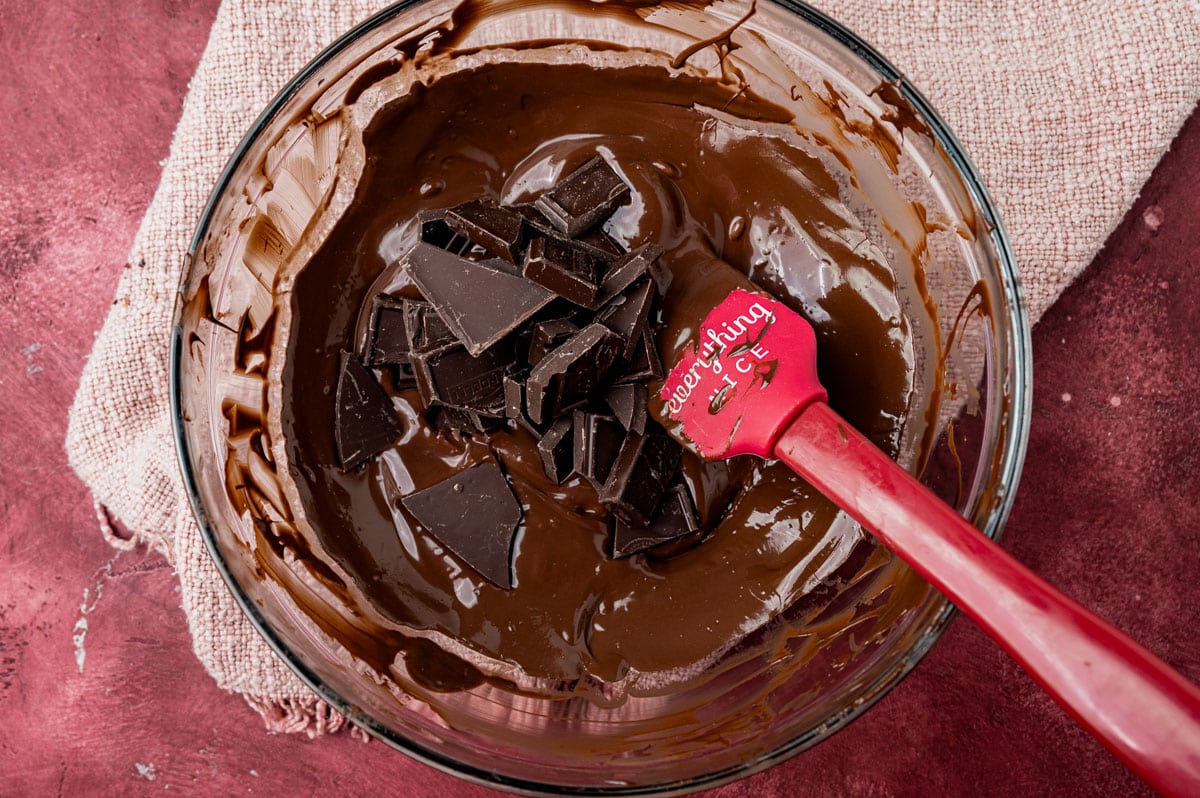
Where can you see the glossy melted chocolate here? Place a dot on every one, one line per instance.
(717, 173)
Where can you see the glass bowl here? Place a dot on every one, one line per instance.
(772, 696)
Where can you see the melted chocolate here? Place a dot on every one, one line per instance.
(705, 186)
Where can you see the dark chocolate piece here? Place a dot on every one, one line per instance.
(498, 230)
(364, 421)
(436, 232)
(514, 402)
(460, 420)
(474, 514)
(643, 469)
(625, 271)
(500, 264)
(674, 519)
(584, 198)
(628, 403)
(424, 327)
(451, 376)
(563, 269)
(595, 242)
(396, 377)
(387, 339)
(600, 245)
(598, 440)
(514, 397)
(629, 315)
(480, 304)
(555, 449)
(566, 377)
(546, 336)
(536, 223)
(645, 363)
(451, 420)
(403, 376)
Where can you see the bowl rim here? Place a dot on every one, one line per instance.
(1014, 439)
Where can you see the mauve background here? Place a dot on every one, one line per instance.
(1109, 507)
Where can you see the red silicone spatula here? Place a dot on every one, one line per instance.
(747, 384)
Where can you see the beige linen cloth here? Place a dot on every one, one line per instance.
(1065, 106)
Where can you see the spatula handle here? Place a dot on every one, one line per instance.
(1141, 709)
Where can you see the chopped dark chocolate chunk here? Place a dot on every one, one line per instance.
(566, 377)
(500, 264)
(555, 449)
(514, 402)
(645, 363)
(563, 269)
(628, 315)
(387, 339)
(597, 243)
(514, 397)
(436, 232)
(584, 198)
(625, 271)
(451, 376)
(396, 377)
(459, 420)
(536, 223)
(498, 230)
(675, 518)
(474, 514)
(628, 403)
(598, 439)
(404, 376)
(424, 327)
(546, 336)
(478, 358)
(365, 423)
(480, 304)
(643, 469)
(484, 423)
(600, 245)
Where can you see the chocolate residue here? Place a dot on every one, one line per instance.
(723, 41)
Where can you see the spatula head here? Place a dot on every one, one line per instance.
(750, 370)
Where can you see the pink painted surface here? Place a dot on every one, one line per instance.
(1108, 510)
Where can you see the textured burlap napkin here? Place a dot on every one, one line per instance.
(1065, 106)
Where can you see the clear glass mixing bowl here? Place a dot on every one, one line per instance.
(776, 701)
